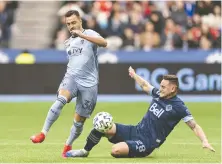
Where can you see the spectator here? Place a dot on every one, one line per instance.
(205, 31)
(128, 37)
(132, 24)
(115, 25)
(196, 21)
(205, 43)
(149, 38)
(178, 15)
(92, 24)
(6, 20)
(213, 19)
(157, 19)
(204, 7)
(193, 37)
(170, 39)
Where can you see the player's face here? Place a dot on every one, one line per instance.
(166, 89)
(73, 23)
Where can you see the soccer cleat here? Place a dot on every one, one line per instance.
(65, 150)
(38, 138)
(77, 153)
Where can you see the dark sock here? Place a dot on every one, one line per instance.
(93, 139)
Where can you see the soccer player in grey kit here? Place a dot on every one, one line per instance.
(80, 80)
(164, 113)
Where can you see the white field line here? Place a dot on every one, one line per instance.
(115, 163)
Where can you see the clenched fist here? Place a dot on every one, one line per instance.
(131, 72)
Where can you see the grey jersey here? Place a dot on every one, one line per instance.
(82, 56)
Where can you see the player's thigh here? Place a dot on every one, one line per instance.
(121, 133)
(68, 88)
(138, 148)
(86, 100)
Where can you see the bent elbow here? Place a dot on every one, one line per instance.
(105, 43)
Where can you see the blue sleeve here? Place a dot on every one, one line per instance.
(185, 113)
(155, 93)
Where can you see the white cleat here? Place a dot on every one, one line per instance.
(77, 153)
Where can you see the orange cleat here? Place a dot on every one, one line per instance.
(66, 149)
(39, 138)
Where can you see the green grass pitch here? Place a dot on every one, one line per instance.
(19, 121)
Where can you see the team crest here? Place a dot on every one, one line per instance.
(169, 108)
(158, 92)
(66, 43)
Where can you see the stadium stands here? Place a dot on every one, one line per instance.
(128, 25)
(147, 25)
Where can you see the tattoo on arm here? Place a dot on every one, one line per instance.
(143, 84)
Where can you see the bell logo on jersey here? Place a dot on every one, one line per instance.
(157, 112)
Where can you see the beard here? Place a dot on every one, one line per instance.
(169, 95)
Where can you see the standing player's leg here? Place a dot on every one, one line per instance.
(117, 134)
(75, 132)
(66, 90)
(85, 104)
(92, 140)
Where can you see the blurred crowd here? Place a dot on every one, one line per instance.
(7, 12)
(133, 25)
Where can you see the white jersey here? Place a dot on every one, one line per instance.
(82, 56)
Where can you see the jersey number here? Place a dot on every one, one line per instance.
(140, 146)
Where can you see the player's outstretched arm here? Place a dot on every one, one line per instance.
(200, 134)
(145, 85)
(100, 41)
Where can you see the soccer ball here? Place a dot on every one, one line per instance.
(103, 122)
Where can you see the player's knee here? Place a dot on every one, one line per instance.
(111, 132)
(66, 94)
(115, 151)
(120, 150)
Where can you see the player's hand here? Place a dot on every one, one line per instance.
(131, 72)
(206, 145)
(77, 33)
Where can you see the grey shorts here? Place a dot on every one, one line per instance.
(86, 97)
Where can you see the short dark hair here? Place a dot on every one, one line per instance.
(173, 79)
(72, 12)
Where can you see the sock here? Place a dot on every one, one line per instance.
(93, 139)
(75, 132)
(54, 113)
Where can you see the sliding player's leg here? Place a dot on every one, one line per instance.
(127, 142)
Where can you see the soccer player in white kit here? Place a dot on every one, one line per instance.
(80, 81)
